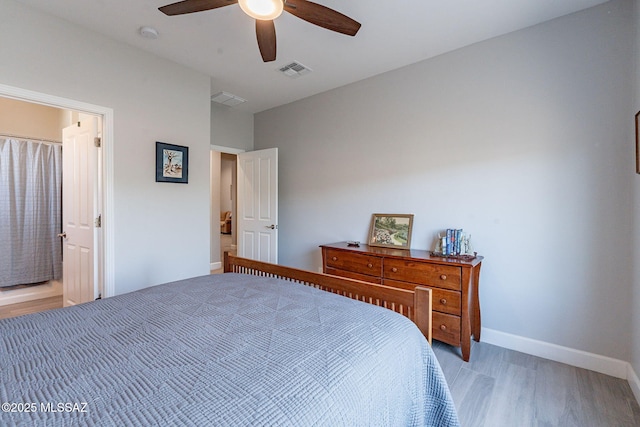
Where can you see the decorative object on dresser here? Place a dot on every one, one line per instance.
(455, 243)
(454, 284)
(391, 230)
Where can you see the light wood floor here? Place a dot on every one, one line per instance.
(225, 246)
(500, 387)
(21, 308)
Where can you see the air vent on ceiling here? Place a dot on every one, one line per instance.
(295, 70)
(227, 99)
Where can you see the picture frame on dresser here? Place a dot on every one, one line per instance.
(391, 230)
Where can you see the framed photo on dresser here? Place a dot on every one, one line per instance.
(391, 230)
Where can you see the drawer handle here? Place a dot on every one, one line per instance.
(335, 258)
(395, 270)
(443, 301)
(443, 276)
(370, 265)
(443, 327)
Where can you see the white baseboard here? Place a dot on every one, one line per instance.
(581, 359)
(634, 382)
(14, 296)
(215, 265)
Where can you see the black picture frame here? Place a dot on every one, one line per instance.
(172, 163)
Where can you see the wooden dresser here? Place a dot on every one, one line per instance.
(454, 284)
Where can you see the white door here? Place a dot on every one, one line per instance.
(79, 165)
(258, 205)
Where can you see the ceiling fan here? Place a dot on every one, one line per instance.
(265, 11)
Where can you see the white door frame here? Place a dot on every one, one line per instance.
(107, 249)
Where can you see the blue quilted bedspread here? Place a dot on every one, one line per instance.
(220, 350)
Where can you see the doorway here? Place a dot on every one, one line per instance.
(103, 272)
(223, 199)
(256, 195)
(31, 137)
(228, 206)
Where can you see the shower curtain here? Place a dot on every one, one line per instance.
(30, 212)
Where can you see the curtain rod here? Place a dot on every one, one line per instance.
(6, 135)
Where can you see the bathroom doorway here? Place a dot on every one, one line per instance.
(28, 115)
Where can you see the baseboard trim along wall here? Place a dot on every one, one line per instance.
(215, 265)
(31, 293)
(634, 382)
(578, 358)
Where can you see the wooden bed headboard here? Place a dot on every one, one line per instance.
(416, 304)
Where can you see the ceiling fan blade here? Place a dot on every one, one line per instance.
(322, 16)
(190, 6)
(266, 35)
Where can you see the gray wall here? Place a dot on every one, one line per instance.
(230, 129)
(161, 230)
(522, 140)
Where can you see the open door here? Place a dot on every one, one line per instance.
(79, 165)
(258, 205)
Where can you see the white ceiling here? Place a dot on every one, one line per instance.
(222, 44)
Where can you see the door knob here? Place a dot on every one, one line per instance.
(63, 235)
(272, 226)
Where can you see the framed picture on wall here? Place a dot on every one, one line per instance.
(391, 230)
(172, 163)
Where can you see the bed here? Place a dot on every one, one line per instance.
(251, 347)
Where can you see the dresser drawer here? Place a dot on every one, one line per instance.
(441, 276)
(354, 262)
(443, 300)
(352, 275)
(446, 301)
(446, 328)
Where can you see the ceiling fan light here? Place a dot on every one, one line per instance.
(262, 9)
